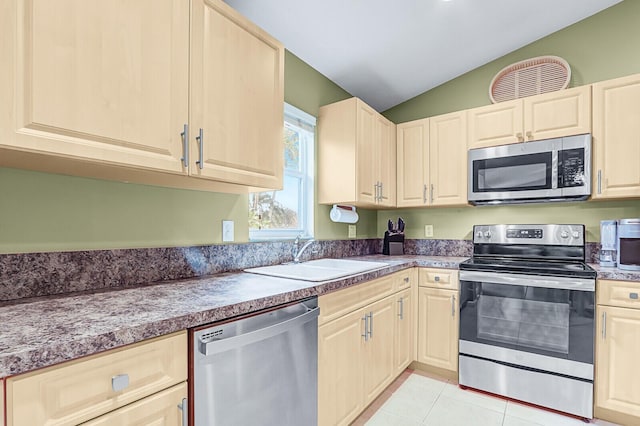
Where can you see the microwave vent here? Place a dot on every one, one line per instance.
(530, 77)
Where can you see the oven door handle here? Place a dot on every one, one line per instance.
(562, 283)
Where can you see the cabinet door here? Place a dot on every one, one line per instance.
(557, 114)
(237, 98)
(340, 373)
(367, 154)
(497, 124)
(617, 347)
(438, 328)
(405, 320)
(158, 409)
(1, 403)
(379, 362)
(448, 159)
(387, 161)
(616, 138)
(97, 81)
(413, 148)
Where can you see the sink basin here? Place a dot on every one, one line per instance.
(318, 270)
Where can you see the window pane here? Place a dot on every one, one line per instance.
(291, 148)
(277, 209)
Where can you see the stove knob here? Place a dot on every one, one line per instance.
(576, 234)
(479, 235)
(564, 234)
(487, 234)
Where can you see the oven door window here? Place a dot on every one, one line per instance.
(517, 173)
(546, 321)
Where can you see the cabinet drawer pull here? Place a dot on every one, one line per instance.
(185, 145)
(365, 318)
(406, 279)
(519, 136)
(436, 278)
(185, 413)
(200, 140)
(633, 296)
(119, 382)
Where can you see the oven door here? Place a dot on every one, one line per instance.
(541, 322)
(514, 172)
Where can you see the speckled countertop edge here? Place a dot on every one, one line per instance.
(55, 329)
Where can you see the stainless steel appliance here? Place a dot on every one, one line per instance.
(547, 170)
(527, 319)
(257, 370)
(608, 243)
(629, 244)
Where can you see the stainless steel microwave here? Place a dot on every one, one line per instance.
(541, 171)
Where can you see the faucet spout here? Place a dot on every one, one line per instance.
(300, 250)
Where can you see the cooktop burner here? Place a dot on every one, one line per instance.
(530, 267)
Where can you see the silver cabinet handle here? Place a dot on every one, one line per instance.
(453, 305)
(599, 181)
(604, 325)
(424, 194)
(633, 296)
(371, 325)
(200, 140)
(365, 318)
(185, 145)
(431, 195)
(436, 278)
(185, 411)
(401, 302)
(375, 190)
(119, 382)
(381, 191)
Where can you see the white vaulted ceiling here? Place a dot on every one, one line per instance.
(388, 51)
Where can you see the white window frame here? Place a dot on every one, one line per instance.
(306, 203)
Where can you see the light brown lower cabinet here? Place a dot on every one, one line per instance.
(158, 409)
(438, 319)
(361, 351)
(81, 390)
(617, 384)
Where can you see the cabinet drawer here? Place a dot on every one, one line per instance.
(81, 390)
(438, 278)
(160, 408)
(403, 279)
(625, 294)
(339, 303)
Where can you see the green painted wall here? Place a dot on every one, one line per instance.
(598, 48)
(47, 212)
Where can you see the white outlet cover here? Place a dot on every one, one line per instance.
(227, 231)
(352, 231)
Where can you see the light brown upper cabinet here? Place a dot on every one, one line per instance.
(103, 91)
(432, 161)
(356, 155)
(550, 115)
(237, 98)
(616, 138)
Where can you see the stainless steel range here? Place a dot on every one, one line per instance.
(527, 316)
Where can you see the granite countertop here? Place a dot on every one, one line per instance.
(49, 330)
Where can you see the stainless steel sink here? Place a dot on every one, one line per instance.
(318, 270)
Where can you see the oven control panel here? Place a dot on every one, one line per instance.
(547, 234)
(524, 233)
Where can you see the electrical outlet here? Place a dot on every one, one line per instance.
(428, 231)
(352, 231)
(227, 231)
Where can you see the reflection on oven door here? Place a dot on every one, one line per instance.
(530, 323)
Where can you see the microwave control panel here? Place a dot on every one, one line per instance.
(571, 168)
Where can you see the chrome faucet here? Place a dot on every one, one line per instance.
(300, 250)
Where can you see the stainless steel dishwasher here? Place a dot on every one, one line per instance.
(257, 370)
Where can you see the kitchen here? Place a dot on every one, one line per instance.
(51, 213)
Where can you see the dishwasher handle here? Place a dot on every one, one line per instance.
(222, 345)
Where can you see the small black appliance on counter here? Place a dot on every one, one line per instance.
(394, 238)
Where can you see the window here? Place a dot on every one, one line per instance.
(289, 212)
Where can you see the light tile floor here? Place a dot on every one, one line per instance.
(418, 399)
